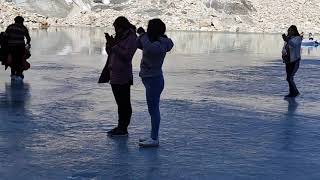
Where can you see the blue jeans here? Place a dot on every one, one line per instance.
(154, 87)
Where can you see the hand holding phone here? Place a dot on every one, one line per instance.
(284, 37)
(141, 31)
(110, 40)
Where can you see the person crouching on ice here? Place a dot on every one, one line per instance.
(154, 45)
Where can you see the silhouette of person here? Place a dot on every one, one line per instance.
(291, 56)
(310, 36)
(292, 106)
(17, 47)
(118, 70)
(154, 45)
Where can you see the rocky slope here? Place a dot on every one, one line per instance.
(205, 15)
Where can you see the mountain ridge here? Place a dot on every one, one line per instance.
(205, 15)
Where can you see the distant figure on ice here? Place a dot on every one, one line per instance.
(154, 45)
(291, 55)
(18, 49)
(310, 36)
(118, 70)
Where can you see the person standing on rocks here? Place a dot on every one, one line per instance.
(291, 55)
(16, 34)
(118, 70)
(154, 45)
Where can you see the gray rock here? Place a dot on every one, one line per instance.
(231, 7)
(151, 12)
(97, 1)
(118, 1)
(184, 12)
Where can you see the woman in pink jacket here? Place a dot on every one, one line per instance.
(121, 49)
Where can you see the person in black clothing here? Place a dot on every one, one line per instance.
(291, 55)
(121, 50)
(17, 46)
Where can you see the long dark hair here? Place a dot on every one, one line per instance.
(156, 29)
(123, 23)
(294, 29)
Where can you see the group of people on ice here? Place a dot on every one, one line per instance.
(118, 69)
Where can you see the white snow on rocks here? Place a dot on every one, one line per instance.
(204, 15)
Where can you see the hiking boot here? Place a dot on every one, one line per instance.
(18, 78)
(13, 77)
(292, 95)
(143, 139)
(149, 143)
(117, 132)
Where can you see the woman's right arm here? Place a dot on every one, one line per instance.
(167, 43)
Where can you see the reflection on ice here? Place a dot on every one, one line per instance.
(17, 94)
(292, 106)
(91, 41)
(310, 51)
(65, 51)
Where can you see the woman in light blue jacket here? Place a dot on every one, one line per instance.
(154, 45)
(291, 56)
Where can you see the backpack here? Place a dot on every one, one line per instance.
(286, 53)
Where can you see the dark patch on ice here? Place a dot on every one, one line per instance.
(84, 175)
(266, 80)
(53, 67)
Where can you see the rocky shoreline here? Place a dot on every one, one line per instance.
(259, 16)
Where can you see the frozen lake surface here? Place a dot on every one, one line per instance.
(223, 112)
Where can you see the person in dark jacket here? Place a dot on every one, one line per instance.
(121, 50)
(3, 48)
(16, 34)
(291, 54)
(154, 45)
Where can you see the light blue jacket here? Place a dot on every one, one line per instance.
(295, 48)
(153, 54)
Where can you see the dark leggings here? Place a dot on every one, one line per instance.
(122, 96)
(291, 69)
(17, 54)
